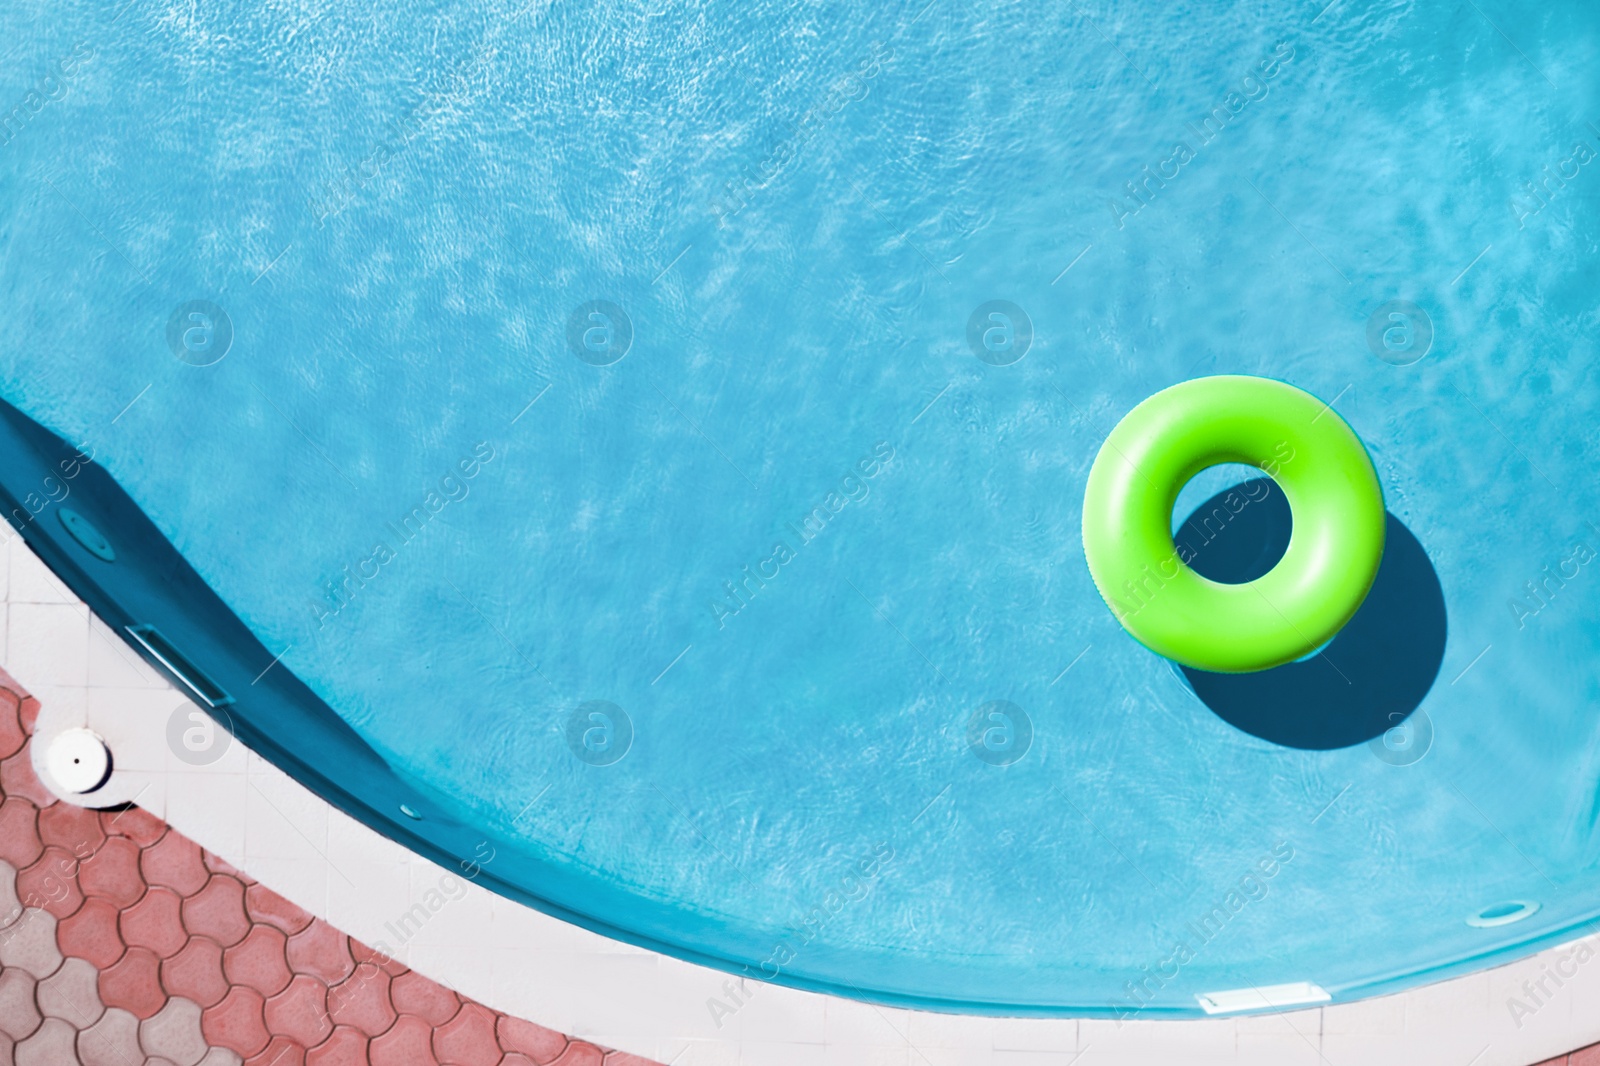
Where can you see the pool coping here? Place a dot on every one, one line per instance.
(527, 963)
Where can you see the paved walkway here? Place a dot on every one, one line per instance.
(124, 943)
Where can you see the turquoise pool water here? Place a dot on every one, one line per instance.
(605, 412)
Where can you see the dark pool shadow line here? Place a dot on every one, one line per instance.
(1374, 673)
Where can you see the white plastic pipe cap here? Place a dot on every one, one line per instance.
(79, 760)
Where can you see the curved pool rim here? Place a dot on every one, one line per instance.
(226, 670)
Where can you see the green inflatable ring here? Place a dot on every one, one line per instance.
(1334, 548)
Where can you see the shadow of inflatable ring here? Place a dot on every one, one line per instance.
(1368, 680)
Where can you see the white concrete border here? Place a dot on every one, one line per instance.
(528, 964)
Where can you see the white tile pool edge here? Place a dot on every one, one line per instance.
(528, 964)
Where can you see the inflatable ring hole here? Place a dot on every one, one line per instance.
(1237, 526)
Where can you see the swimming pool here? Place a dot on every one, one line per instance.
(599, 439)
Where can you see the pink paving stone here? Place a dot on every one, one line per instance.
(19, 832)
(76, 829)
(217, 911)
(174, 861)
(222, 866)
(28, 711)
(517, 1058)
(112, 873)
(579, 1053)
(196, 972)
(622, 1058)
(1589, 1056)
(468, 1039)
(19, 1014)
(92, 933)
(236, 1022)
(361, 1001)
(363, 954)
(52, 1045)
(258, 961)
(111, 1041)
(300, 1012)
(72, 994)
(321, 951)
(173, 1035)
(535, 1041)
(413, 993)
(134, 984)
(281, 1051)
(30, 943)
(51, 883)
(12, 735)
(346, 1047)
(267, 906)
(135, 823)
(11, 907)
(408, 1043)
(18, 779)
(155, 923)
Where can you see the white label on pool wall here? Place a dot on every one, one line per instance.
(1271, 997)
